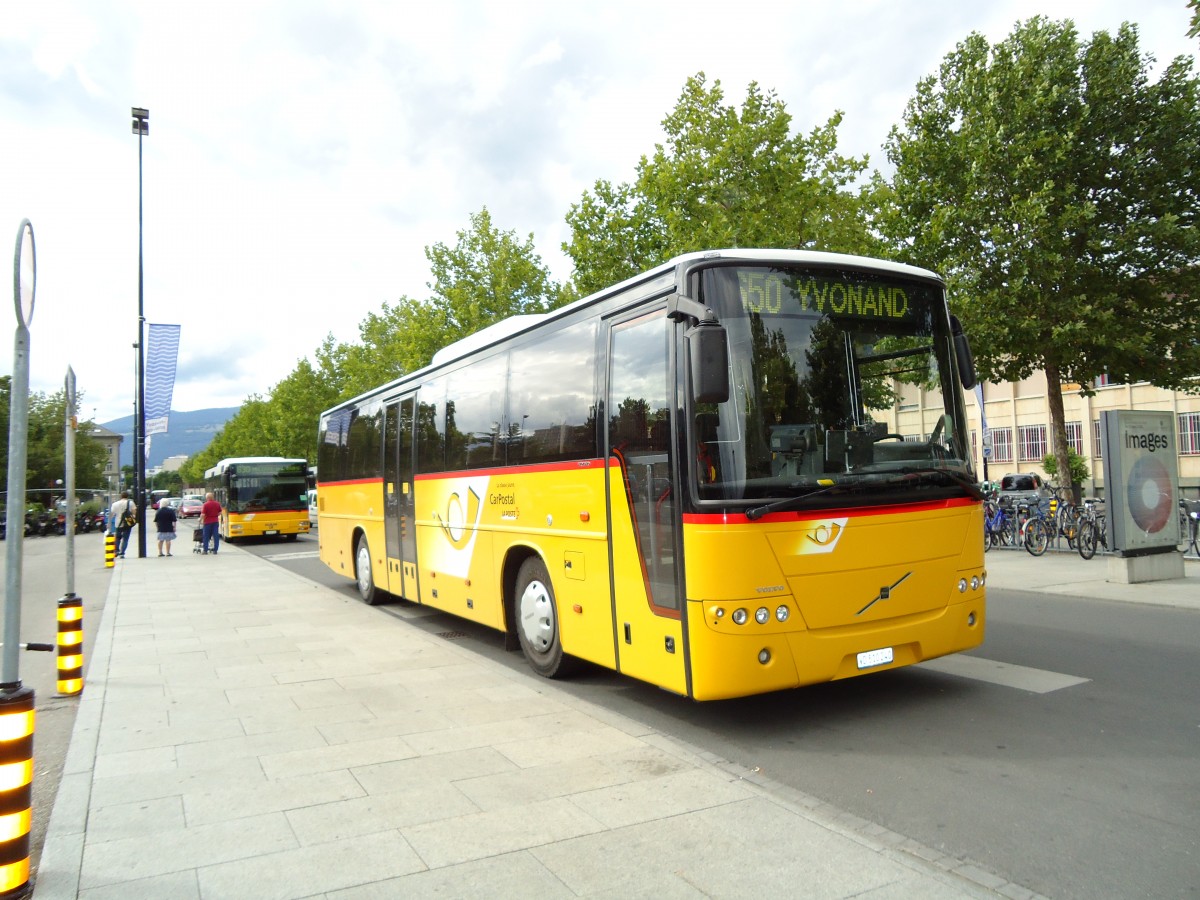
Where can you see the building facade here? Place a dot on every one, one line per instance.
(1018, 417)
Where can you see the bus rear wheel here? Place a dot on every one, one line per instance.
(537, 621)
(363, 576)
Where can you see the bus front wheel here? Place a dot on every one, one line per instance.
(362, 572)
(537, 620)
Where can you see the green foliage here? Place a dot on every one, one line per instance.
(724, 178)
(1054, 185)
(1079, 468)
(45, 463)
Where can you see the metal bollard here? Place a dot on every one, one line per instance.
(70, 645)
(110, 550)
(16, 788)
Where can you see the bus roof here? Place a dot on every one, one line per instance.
(514, 325)
(224, 464)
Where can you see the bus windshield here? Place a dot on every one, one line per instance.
(267, 486)
(842, 386)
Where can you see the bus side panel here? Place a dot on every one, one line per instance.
(361, 512)
(467, 526)
(649, 641)
(844, 598)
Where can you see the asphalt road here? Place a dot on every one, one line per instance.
(1062, 754)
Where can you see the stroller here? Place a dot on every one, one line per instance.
(197, 540)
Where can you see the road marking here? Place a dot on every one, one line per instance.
(1036, 681)
(305, 554)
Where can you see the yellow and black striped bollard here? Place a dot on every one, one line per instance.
(70, 645)
(16, 788)
(110, 550)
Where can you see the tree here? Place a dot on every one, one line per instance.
(724, 178)
(1055, 186)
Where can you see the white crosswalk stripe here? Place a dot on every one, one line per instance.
(1036, 681)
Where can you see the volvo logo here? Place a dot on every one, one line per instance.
(885, 593)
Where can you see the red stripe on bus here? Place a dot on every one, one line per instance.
(826, 513)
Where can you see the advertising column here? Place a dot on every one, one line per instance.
(1141, 477)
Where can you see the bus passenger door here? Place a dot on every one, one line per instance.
(643, 510)
(398, 500)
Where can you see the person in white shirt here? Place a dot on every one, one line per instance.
(120, 511)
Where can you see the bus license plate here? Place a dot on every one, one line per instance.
(274, 531)
(870, 658)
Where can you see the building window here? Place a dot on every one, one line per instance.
(1189, 434)
(1032, 440)
(1096, 439)
(1001, 444)
(1075, 437)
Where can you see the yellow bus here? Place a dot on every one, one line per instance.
(688, 478)
(261, 496)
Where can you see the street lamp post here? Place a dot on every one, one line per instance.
(141, 127)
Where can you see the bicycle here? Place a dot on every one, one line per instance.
(1093, 529)
(1189, 527)
(1035, 528)
(998, 524)
(1066, 516)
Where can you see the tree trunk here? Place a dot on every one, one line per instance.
(1058, 427)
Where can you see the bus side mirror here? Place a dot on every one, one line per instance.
(962, 350)
(708, 352)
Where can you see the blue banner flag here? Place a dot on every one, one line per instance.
(162, 352)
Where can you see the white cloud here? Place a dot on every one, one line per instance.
(303, 153)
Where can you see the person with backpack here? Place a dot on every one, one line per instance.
(123, 516)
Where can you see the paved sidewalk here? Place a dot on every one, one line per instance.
(1065, 572)
(246, 733)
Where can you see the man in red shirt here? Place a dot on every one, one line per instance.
(210, 517)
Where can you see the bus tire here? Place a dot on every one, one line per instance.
(363, 576)
(537, 621)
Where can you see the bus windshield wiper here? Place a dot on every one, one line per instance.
(757, 512)
(966, 484)
(895, 477)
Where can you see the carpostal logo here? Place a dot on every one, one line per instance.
(821, 536)
(461, 508)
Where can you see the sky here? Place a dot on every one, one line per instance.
(302, 154)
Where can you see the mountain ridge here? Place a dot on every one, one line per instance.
(187, 433)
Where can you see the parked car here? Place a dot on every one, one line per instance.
(189, 508)
(1023, 487)
(312, 509)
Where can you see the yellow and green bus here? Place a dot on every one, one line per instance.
(260, 496)
(696, 477)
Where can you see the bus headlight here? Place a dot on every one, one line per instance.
(762, 615)
(739, 616)
(782, 613)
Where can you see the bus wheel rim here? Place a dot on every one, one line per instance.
(364, 567)
(537, 616)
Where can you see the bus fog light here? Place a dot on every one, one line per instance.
(975, 582)
(739, 616)
(764, 656)
(719, 612)
(971, 618)
(762, 615)
(962, 585)
(782, 613)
